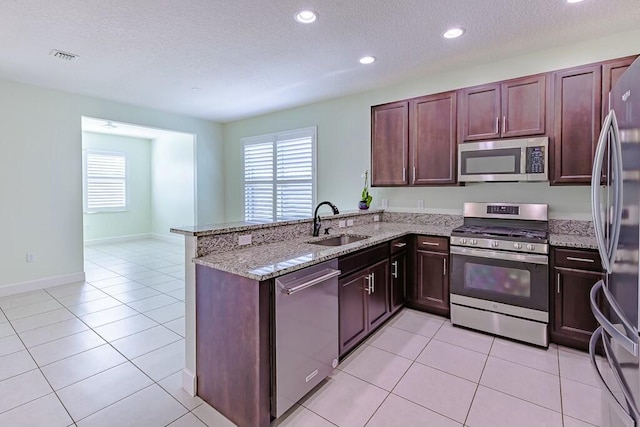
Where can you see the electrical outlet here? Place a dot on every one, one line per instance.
(421, 203)
(349, 222)
(342, 223)
(385, 203)
(31, 257)
(244, 239)
(376, 218)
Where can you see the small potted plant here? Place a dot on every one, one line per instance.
(365, 200)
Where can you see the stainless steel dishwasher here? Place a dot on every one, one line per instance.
(306, 332)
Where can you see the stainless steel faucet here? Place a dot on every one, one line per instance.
(316, 218)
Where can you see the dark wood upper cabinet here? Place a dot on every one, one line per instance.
(390, 144)
(611, 72)
(508, 109)
(432, 139)
(480, 113)
(577, 96)
(524, 106)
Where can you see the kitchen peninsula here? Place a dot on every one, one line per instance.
(228, 288)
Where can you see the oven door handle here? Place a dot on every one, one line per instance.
(506, 256)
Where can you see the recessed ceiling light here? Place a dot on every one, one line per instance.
(366, 60)
(574, 1)
(452, 33)
(306, 16)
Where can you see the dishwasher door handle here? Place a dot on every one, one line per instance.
(312, 282)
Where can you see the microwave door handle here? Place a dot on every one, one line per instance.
(595, 194)
(616, 152)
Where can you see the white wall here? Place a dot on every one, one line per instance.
(41, 176)
(344, 136)
(172, 191)
(136, 219)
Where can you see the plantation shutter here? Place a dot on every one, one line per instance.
(279, 176)
(105, 181)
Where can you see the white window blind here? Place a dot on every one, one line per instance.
(279, 176)
(105, 183)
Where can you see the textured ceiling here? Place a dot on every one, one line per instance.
(250, 57)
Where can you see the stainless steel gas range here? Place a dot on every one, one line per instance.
(500, 271)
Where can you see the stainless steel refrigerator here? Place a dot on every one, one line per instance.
(615, 199)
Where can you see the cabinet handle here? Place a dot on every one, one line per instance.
(368, 288)
(570, 258)
(399, 245)
(431, 243)
(394, 273)
(444, 266)
(373, 283)
(504, 124)
(558, 281)
(414, 174)
(404, 174)
(498, 124)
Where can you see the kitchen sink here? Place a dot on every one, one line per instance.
(344, 239)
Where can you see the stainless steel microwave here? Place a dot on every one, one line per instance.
(524, 159)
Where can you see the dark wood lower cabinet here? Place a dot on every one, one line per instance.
(573, 321)
(364, 303)
(398, 281)
(432, 281)
(573, 274)
(429, 287)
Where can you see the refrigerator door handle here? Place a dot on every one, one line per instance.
(595, 194)
(616, 149)
(622, 339)
(613, 402)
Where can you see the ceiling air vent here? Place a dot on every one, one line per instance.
(66, 56)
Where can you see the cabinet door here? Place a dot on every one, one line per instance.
(398, 279)
(378, 298)
(480, 113)
(573, 322)
(611, 72)
(433, 139)
(432, 281)
(353, 310)
(390, 144)
(524, 106)
(577, 107)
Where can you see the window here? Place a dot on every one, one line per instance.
(279, 175)
(105, 181)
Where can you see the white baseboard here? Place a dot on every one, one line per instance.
(118, 239)
(189, 383)
(173, 238)
(47, 282)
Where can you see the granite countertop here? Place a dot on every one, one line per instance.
(263, 262)
(573, 241)
(275, 259)
(229, 227)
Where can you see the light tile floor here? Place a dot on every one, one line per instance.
(109, 352)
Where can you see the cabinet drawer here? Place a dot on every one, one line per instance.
(399, 244)
(431, 243)
(362, 259)
(578, 259)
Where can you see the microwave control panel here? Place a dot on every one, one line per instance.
(535, 159)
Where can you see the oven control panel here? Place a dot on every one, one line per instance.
(504, 245)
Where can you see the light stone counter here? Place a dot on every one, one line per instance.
(267, 261)
(573, 241)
